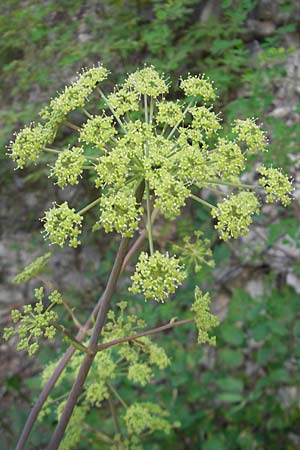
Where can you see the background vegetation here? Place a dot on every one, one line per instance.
(245, 393)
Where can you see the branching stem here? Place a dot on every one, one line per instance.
(149, 222)
(72, 125)
(200, 200)
(113, 390)
(179, 121)
(112, 110)
(165, 327)
(92, 347)
(228, 183)
(89, 206)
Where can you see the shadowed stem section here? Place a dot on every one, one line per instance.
(51, 382)
(114, 415)
(89, 358)
(149, 223)
(92, 347)
(143, 333)
(138, 244)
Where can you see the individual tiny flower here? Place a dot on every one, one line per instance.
(34, 322)
(251, 134)
(157, 276)
(28, 145)
(235, 213)
(32, 269)
(124, 100)
(204, 320)
(276, 184)
(148, 81)
(169, 113)
(119, 212)
(69, 166)
(198, 86)
(98, 131)
(62, 224)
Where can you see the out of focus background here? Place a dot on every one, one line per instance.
(245, 393)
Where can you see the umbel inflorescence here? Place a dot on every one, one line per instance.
(146, 155)
(141, 141)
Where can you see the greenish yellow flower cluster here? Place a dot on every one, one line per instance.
(146, 416)
(69, 166)
(120, 213)
(31, 141)
(195, 252)
(169, 113)
(253, 137)
(204, 320)
(75, 95)
(98, 131)
(139, 359)
(198, 86)
(124, 100)
(157, 276)
(205, 120)
(229, 159)
(62, 224)
(235, 213)
(28, 145)
(142, 140)
(148, 82)
(33, 269)
(277, 185)
(35, 322)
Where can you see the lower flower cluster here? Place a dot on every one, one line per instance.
(35, 321)
(157, 276)
(62, 224)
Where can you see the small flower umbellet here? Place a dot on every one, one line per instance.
(33, 269)
(198, 86)
(277, 186)
(248, 132)
(69, 167)
(235, 213)
(63, 224)
(35, 321)
(98, 131)
(204, 320)
(157, 276)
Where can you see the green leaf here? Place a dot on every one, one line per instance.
(279, 376)
(260, 331)
(229, 397)
(230, 384)
(214, 443)
(232, 335)
(231, 358)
